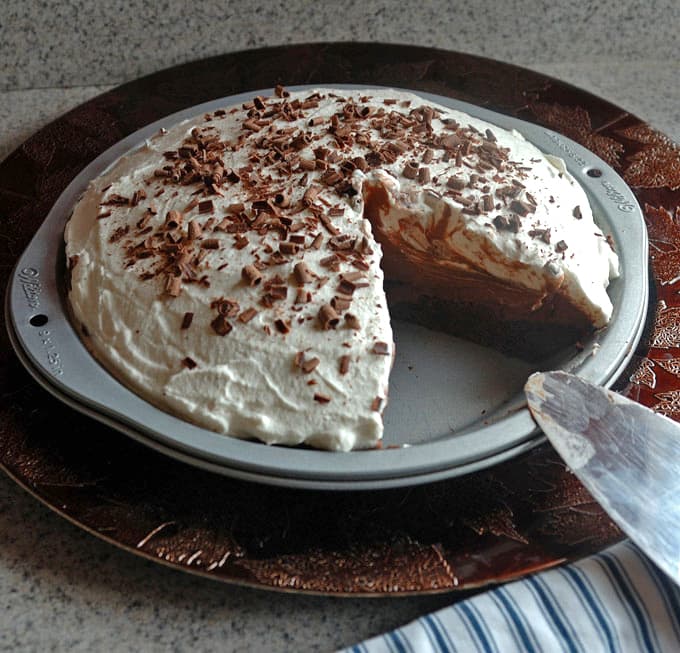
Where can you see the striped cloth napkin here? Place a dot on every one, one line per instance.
(616, 600)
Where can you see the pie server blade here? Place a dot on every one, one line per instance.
(625, 454)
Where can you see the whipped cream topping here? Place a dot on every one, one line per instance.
(225, 271)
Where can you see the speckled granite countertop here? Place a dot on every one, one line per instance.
(63, 589)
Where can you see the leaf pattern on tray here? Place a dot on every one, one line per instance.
(575, 123)
(666, 332)
(499, 523)
(668, 404)
(671, 365)
(664, 237)
(655, 166)
(644, 374)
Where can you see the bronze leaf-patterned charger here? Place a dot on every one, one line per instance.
(522, 515)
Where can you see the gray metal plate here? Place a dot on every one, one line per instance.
(454, 407)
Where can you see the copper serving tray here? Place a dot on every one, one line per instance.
(495, 524)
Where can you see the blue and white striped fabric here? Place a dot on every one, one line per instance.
(613, 601)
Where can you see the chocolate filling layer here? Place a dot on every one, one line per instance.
(438, 289)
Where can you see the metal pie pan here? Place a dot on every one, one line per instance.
(454, 408)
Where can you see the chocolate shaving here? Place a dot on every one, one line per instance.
(187, 320)
(173, 285)
(221, 325)
(341, 303)
(321, 398)
(309, 365)
(376, 404)
(247, 315)
(226, 307)
(282, 198)
(410, 170)
(251, 275)
(137, 196)
(344, 364)
(346, 287)
(329, 261)
(299, 359)
(282, 326)
(240, 241)
(119, 233)
(560, 246)
(521, 208)
(303, 296)
(360, 163)
(189, 363)
(328, 318)
(451, 142)
(342, 241)
(310, 195)
(543, 234)
(173, 219)
(326, 222)
(287, 248)
(398, 147)
(317, 242)
(455, 183)
(206, 206)
(352, 321)
(381, 349)
(251, 125)
(116, 199)
(577, 212)
(302, 274)
(503, 223)
(274, 294)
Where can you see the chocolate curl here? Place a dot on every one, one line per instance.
(287, 248)
(195, 230)
(247, 315)
(309, 365)
(410, 170)
(328, 317)
(307, 164)
(341, 303)
(221, 326)
(187, 320)
(206, 206)
(282, 199)
(352, 321)
(173, 219)
(424, 175)
(173, 285)
(251, 275)
(303, 274)
(455, 183)
(303, 296)
(381, 349)
(282, 326)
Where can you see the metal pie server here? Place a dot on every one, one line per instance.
(626, 455)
